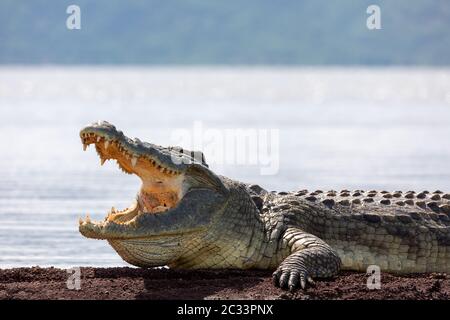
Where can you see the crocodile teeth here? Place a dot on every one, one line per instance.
(80, 221)
(88, 219)
(85, 146)
(113, 210)
(102, 161)
(106, 144)
(134, 161)
(98, 139)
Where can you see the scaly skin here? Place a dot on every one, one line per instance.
(188, 217)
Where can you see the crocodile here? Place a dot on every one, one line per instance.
(186, 216)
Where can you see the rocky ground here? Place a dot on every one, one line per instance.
(131, 283)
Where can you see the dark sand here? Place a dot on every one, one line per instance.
(130, 283)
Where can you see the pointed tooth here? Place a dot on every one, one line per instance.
(106, 144)
(85, 146)
(102, 161)
(134, 161)
(80, 221)
(88, 218)
(98, 139)
(113, 210)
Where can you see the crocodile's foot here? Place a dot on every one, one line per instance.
(292, 277)
(310, 258)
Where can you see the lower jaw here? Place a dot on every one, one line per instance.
(148, 252)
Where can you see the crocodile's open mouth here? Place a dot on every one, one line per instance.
(162, 187)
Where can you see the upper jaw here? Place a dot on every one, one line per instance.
(113, 144)
(169, 159)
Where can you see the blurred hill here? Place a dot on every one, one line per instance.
(310, 32)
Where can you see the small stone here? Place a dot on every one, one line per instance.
(421, 195)
(318, 191)
(371, 195)
(410, 196)
(400, 203)
(311, 198)
(384, 192)
(301, 193)
(385, 202)
(345, 194)
(438, 192)
(356, 201)
(387, 196)
(397, 195)
(282, 193)
(411, 191)
(356, 194)
(345, 190)
(331, 194)
(409, 202)
(426, 192)
(446, 196)
(368, 200)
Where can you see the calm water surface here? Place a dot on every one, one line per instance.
(339, 128)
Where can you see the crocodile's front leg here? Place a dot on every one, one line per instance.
(310, 258)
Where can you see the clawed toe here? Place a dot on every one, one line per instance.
(291, 279)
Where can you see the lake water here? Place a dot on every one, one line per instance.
(338, 128)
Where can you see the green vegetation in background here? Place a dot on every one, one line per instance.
(286, 32)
